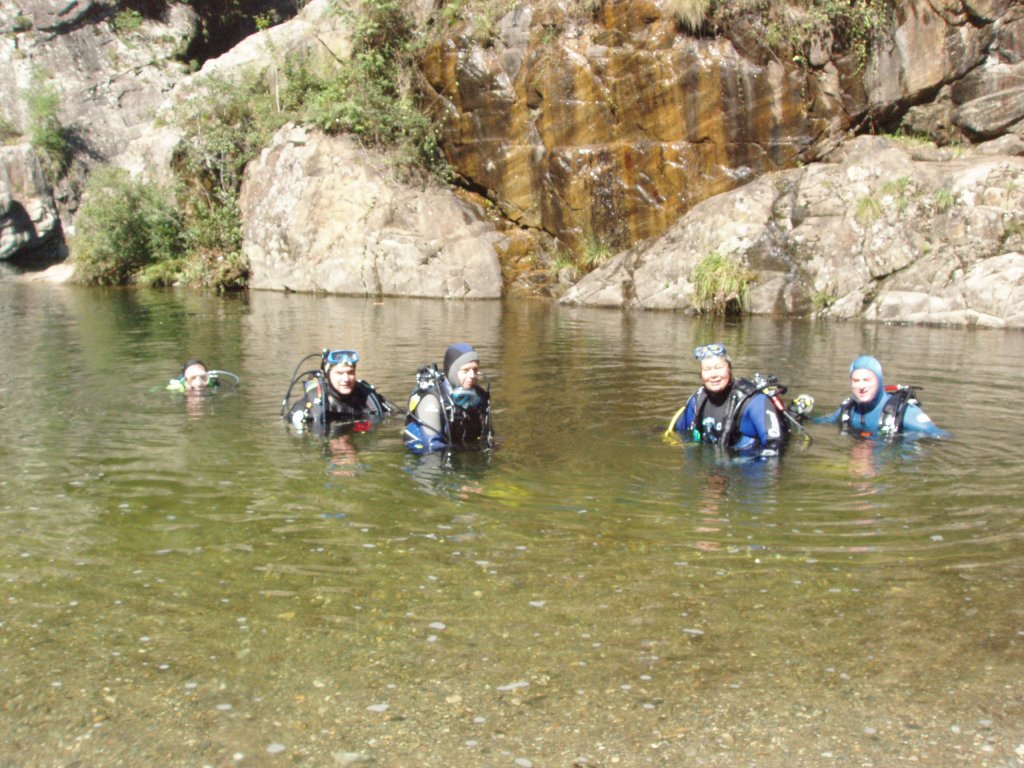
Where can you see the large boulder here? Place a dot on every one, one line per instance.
(884, 232)
(29, 225)
(321, 213)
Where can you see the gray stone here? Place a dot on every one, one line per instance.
(990, 115)
(29, 224)
(879, 235)
(321, 213)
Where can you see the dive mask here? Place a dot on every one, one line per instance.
(341, 357)
(197, 379)
(709, 350)
(465, 398)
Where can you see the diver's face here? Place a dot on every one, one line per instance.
(715, 374)
(196, 377)
(864, 385)
(468, 374)
(343, 378)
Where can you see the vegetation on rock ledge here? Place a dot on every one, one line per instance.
(224, 126)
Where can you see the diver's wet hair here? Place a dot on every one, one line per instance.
(192, 361)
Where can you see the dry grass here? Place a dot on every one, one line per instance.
(690, 12)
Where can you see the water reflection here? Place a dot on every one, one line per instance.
(217, 590)
(451, 474)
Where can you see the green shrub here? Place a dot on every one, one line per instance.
(721, 286)
(127, 21)
(223, 128)
(822, 300)
(595, 253)
(909, 139)
(162, 274)
(944, 200)
(49, 138)
(790, 29)
(898, 190)
(369, 96)
(8, 130)
(213, 239)
(123, 226)
(867, 211)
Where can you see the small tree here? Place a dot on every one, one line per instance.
(122, 226)
(46, 134)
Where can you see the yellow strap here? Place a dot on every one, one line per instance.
(670, 431)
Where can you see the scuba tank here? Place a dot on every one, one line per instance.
(304, 378)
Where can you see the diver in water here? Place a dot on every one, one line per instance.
(736, 414)
(333, 393)
(874, 409)
(195, 378)
(449, 408)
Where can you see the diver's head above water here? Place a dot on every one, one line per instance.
(195, 375)
(340, 367)
(866, 381)
(462, 365)
(715, 367)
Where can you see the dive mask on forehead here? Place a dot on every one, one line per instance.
(709, 350)
(341, 357)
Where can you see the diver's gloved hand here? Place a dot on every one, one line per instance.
(802, 405)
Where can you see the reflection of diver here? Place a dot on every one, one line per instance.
(448, 408)
(448, 472)
(332, 393)
(195, 377)
(729, 496)
(869, 456)
(341, 450)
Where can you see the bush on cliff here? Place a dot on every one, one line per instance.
(122, 227)
(721, 286)
(790, 28)
(49, 138)
(369, 95)
(226, 124)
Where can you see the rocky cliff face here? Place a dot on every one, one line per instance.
(602, 128)
(607, 127)
(109, 81)
(108, 84)
(879, 230)
(29, 225)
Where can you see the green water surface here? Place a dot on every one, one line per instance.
(189, 583)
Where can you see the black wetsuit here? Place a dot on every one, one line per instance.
(362, 402)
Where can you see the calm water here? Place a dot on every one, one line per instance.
(191, 584)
